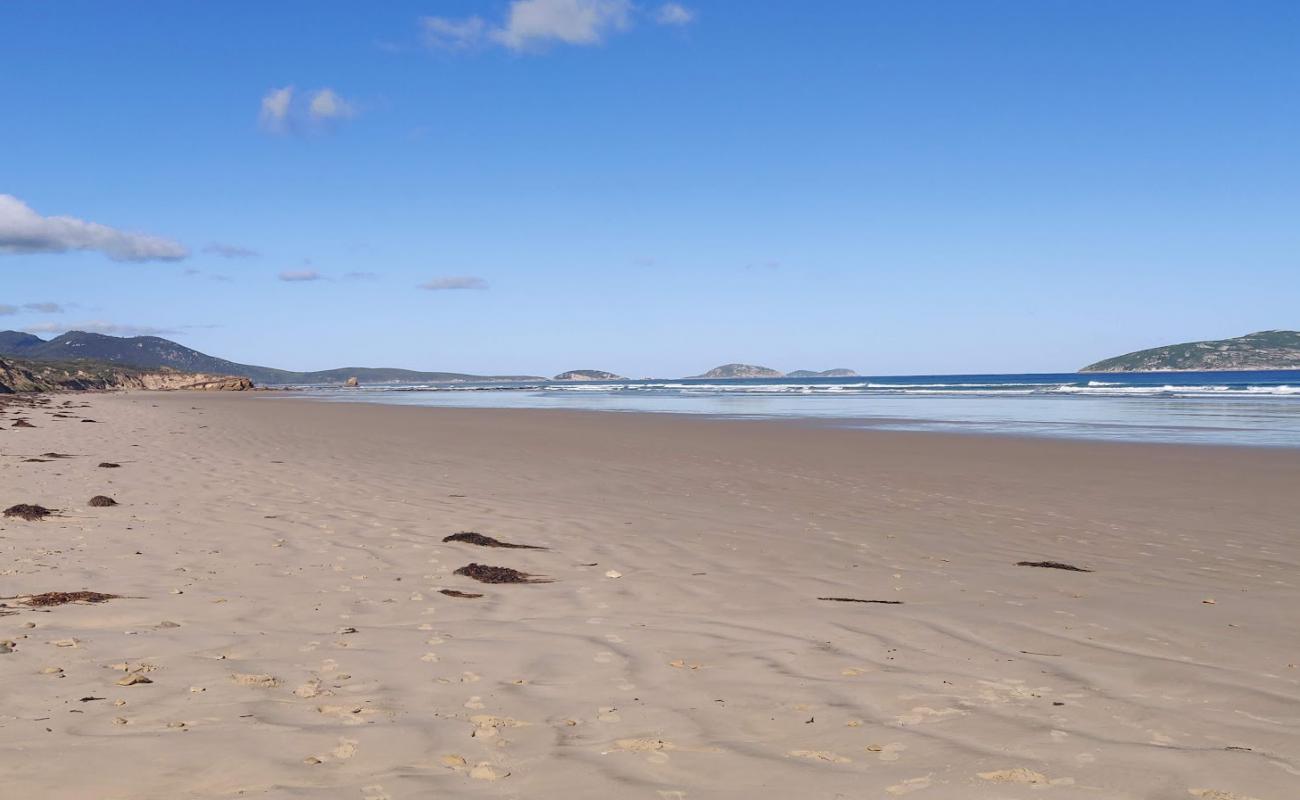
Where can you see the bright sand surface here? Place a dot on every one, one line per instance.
(281, 561)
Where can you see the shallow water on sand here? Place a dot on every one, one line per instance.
(1236, 408)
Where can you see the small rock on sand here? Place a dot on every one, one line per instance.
(133, 679)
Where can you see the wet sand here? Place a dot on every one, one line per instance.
(282, 631)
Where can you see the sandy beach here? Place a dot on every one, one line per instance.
(281, 630)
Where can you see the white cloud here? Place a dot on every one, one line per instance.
(674, 14)
(99, 326)
(22, 230)
(534, 22)
(228, 250)
(326, 104)
(531, 24)
(299, 275)
(275, 109)
(7, 310)
(453, 34)
(456, 282)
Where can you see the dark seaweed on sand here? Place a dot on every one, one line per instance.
(22, 423)
(109, 465)
(27, 511)
(62, 598)
(856, 600)
(455, 593)
(487, 574)
(469, 537)
(1052, 565)
(56, 455)
(100, 501)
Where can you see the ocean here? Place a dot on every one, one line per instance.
(1226, 408)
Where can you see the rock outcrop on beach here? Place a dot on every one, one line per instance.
(1262, 350)
(152, 352)
(742, 371)
(36, 376)
(588, 375)
(826, 373)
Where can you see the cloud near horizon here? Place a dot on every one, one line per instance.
(99, 326)
(23, 231)
(532, 24)
(299, 275)
(453, 283)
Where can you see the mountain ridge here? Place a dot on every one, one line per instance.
(153, 352)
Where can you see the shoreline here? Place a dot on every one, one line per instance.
(281, 568)
(812, 422)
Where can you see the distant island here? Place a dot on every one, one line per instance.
(588, 375)
(727, 371)
(1262, 350)
(152, 352)
(742, 371)
(826, 373)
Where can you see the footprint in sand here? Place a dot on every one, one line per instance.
(474, 702)
(1023, 775)
(607, 714)
(922, 713)
(613, 638)
(347, 749)
(488, 726)
(908, 786)
(1217, 794)
(820, 755)
(484, 771)
(375, 792)
(603, 657)
(887, 752)
(256, 680)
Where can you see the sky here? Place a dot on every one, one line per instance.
(652, 188)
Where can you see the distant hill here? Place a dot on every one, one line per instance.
(826, 373)
(742, 371)
(1263, 350)
(588, 375)
(152, 352)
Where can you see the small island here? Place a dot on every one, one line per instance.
(839, 372)
(742, 371)
(1265, 350)
(588, 375)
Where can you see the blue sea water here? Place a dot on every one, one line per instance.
(1229, 408)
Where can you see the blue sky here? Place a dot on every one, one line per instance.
(649, 188)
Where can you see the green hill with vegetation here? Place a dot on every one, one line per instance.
(1263, 350)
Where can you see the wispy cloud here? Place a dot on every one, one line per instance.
(534, 24)
(300, 275)
(674, 14)
(100, 326)
(360, 276)
(7, 310)
(453, 34)
(453, 283)
(228, 250)
(284, 110)
(22, 231)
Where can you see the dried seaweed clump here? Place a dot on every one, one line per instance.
(487, 574)
(62, 598)
(1052, 565)
(455, 593)
(109, 465)
(102, 501)
(856, 600)
(27, 511)
(469, 537)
